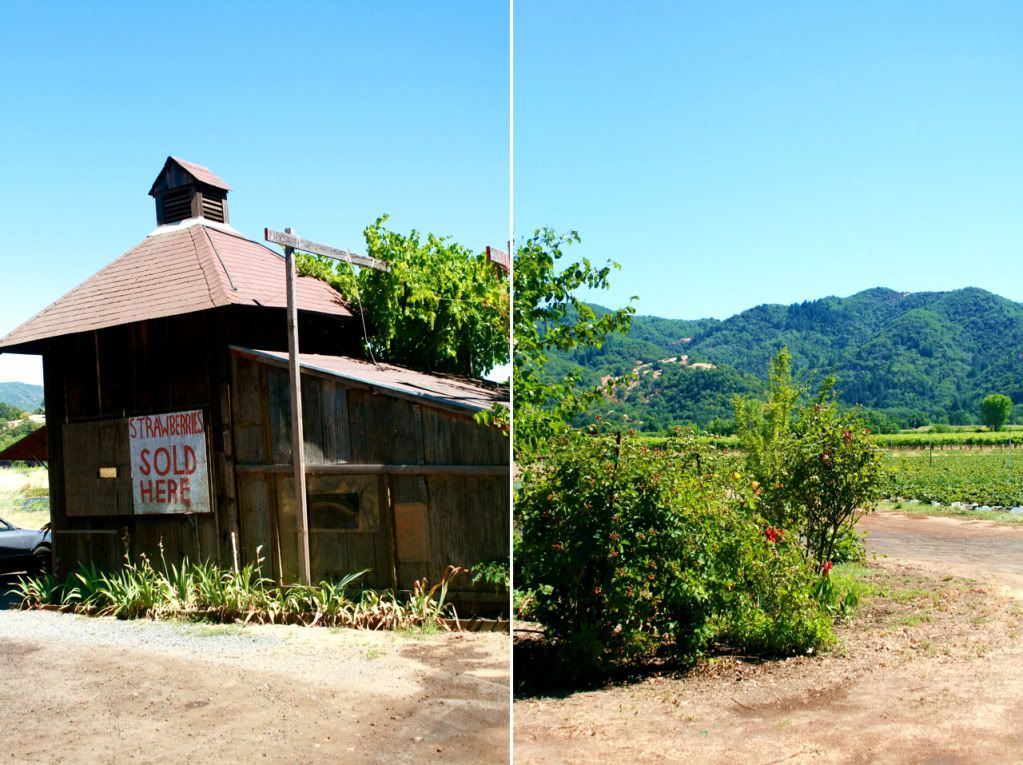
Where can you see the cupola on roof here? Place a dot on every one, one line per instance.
(190, 264)
(185, 190)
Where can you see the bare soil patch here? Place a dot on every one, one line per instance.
(77, 689)
(970, 547)
(929, 671)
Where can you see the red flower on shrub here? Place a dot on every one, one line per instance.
(847, 436)
(866, 431)
(826, 568)
(773, 534)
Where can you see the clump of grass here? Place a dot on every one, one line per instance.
(207, 592)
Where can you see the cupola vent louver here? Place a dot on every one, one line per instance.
(176, 205)
(214, 208)
(185, 190)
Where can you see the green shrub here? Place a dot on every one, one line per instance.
(496, 573)
(849, 546)
(817, 464)
(631, 552)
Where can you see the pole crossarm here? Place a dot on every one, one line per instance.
(306, 245)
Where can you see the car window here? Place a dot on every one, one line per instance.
(5, 526)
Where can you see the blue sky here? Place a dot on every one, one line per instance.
(726, 154)
(320, 116)
(732, 154)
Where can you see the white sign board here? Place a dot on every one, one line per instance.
(168, 463)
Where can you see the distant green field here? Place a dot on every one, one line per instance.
(956, 439)
(718, 442)
(974, 467)
(22, 495)
(985, 478)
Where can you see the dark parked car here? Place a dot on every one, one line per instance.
(24, 549)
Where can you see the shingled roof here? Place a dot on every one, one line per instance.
(191, 266)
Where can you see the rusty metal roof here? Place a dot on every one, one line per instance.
(31, 448)
(449, 390)
(191, 266)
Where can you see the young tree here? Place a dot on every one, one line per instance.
(995, 410)
(548, 315)
(440, 308)
(765, 432)
(815, 466)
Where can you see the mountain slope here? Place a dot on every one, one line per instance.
(25, 396)
(936, 353)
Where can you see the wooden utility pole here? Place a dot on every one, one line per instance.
(292, 243)
(297, 435)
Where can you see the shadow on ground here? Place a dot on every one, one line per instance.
(540, 672)
(7, 582)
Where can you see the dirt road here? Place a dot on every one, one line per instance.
(964, 547)
(930, 673)
(75, 689)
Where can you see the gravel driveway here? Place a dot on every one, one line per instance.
(80, 689)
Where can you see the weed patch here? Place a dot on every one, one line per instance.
(209, 593)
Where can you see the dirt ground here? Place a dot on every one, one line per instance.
(931, 672)
(75, 690)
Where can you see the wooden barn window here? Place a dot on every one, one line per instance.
(335, 512)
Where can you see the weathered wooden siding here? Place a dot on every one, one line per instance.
(454, 519)
(95, 380)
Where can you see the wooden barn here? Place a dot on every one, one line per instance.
(168, 418)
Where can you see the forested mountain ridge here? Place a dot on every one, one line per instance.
(25, 396)
(912, 355)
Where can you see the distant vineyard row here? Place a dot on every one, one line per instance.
(952, 440)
